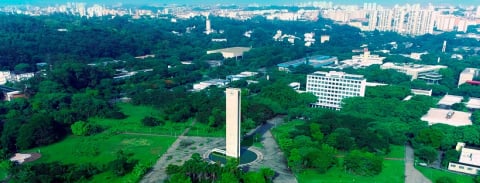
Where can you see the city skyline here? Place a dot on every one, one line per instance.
(235, 2)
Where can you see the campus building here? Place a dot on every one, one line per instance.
(468, 75)
(415, 70)
(315, 61)
(331, 87)
(469, 161)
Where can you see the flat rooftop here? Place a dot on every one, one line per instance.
(450, 100)
(234, 50)
(435, 116)
(470, 156)
(473, 103)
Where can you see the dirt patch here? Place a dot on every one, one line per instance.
(33, 157)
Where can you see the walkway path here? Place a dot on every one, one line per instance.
(273, 157)
(158, 174)
(412, 175)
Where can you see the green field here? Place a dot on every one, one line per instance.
(434, 174)
(203, 130)
(133, 122)
(101, 148)
(393, 172)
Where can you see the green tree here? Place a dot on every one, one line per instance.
(295, 160)
(429, 136)
(363, 163)
(427, 154)
(122, 164)
(81, 128)
(151, 121)
(445, 179)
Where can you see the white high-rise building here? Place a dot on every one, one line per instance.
(331, 87)
(208, 26)
(478, 12)
(419, 21)
(233, 116)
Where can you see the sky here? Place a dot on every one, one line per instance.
(239, 2)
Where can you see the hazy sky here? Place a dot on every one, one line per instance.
(240, 2)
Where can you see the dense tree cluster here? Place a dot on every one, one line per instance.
(197, 170)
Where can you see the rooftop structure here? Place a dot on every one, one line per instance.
(315, 61)
(432, 77)
(449, 100)
(233, 52)
(331, 87)
(421, 92)
(473, 103)
(449, 117)
(468, 75)
(213, 82)
(469, 161)
(366, 59)
(242, 75)
(413, 70)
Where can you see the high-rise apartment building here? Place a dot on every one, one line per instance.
(331, 87)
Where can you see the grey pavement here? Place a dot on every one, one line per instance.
(412, 175)
(273, 157)
(177, 155)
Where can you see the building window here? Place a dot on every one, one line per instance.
(461, 167)
(452, 165)
(469, 168)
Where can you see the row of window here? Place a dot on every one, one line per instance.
(333, 81)
(319, 92)
(460, 167)
(325, 78)
(320, 87)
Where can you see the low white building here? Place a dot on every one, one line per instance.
(213, 82)
(367, 59)
(233, 52)
(413, 70)
(469, 161)
(467, 75)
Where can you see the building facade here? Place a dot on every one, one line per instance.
(233, 116)
(331, 87)
(469, 161)
(469, 74)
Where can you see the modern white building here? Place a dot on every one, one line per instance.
(233, 116)
(213, 82)
(331, 87)
(468, 74)
(413, 70)
(469, 161)
(367, 59)
(233, 52)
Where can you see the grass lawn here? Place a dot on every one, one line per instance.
(101, 148)
(203, 130)
(4, 169)
(133, 122)
(393, 172)
(434, 174)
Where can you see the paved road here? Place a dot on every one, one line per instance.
(412, 175)
(273, 157)
(158, 174)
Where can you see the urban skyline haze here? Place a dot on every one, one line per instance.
(236, 2)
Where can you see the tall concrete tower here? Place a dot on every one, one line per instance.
(233, 122)
(444, 47)
(208, 26)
